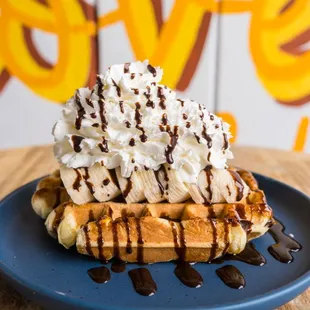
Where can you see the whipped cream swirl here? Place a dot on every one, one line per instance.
(129, 120)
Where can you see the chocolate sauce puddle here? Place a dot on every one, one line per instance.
(142, 281)
(188, 275)
(118, 266)
(284, 245)
(249, 256)
(231, 276)
(100, 274)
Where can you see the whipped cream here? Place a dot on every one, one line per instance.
(129, 120)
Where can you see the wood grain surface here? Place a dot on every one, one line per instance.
(19, 166)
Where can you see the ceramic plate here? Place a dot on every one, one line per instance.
(38, 267)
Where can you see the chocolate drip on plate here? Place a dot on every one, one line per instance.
(118, 266)
(284, 246)
(231, 276)
(188, 275)
(100, 274)
(249, 256)
(142, 281)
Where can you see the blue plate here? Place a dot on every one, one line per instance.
(38, 267)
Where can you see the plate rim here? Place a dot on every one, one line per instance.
(298, 285)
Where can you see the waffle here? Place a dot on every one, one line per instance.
(209, 231)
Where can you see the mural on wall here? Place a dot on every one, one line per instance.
(278, 34)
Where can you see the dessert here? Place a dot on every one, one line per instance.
(143, 176)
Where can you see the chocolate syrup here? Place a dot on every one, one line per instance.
(188, 275)
(128, 125)
(93, 115)
(118, 90)
(91, 216)
(104, 145)
(132, 142)
(58, 217)
(100, 274)
(249, 256)
(225, 145)
(135, 91)
(132, 76)
(104, 122)
(284, 246)
(182, 102)
(206, 136)
(238, 182)
(118, 266)
(89, 102)
(77, 182)
(76, 140)
(161, 187)
(142, 281)
(121, 106)
(115, 240)
(231, 276)
(214, 241)
(88, 184)
(88, 247)
(140, 242)
(106, 182)
(164, 119)
(100, 240)
(152, 70)
(173, 142)
(162, 98)
(80, 112)
(96, 125)
(209, 177)
(126, 67)
(128, 245)
(197, 137)
(188, 124)
(128, 188)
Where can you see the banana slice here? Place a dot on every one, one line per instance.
(132, 188)
(176, 190)
(153, 187)
(80, 190)
(102, 183)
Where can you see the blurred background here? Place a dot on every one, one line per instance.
(246, 60)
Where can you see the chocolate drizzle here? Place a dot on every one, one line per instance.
(76, 140)
(106, 182)
(104, 145)
(132, 142)
(58, 217)
(147, 94)
(188, 275)
(214, 241)
(206, 136)
(225, 145)
(100, 274)
(89, 102)
(121, 106)
(239, 184)
(197, 137)
(231, 276)
(142, 281)
(151, 69)
(126, 67)
(281, 251)
(80, 112)
(209, 177)
(164, 119)
(88, 183)
(173, 142)
(128, 188)
(128, 245)
(162, 98)
(115, 240)
(118, 90)
(128, 125)
(77, 182)
(88, 247)
(160, 185)
(138, 118)
(140, 242)
(182, 102)
(104, 122)
(135, 91)
(100, 240)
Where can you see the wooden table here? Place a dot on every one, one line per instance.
(20, 166)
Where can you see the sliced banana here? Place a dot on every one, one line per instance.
(80, 191)
(132, 188)
(176, 190)
(102, 183)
